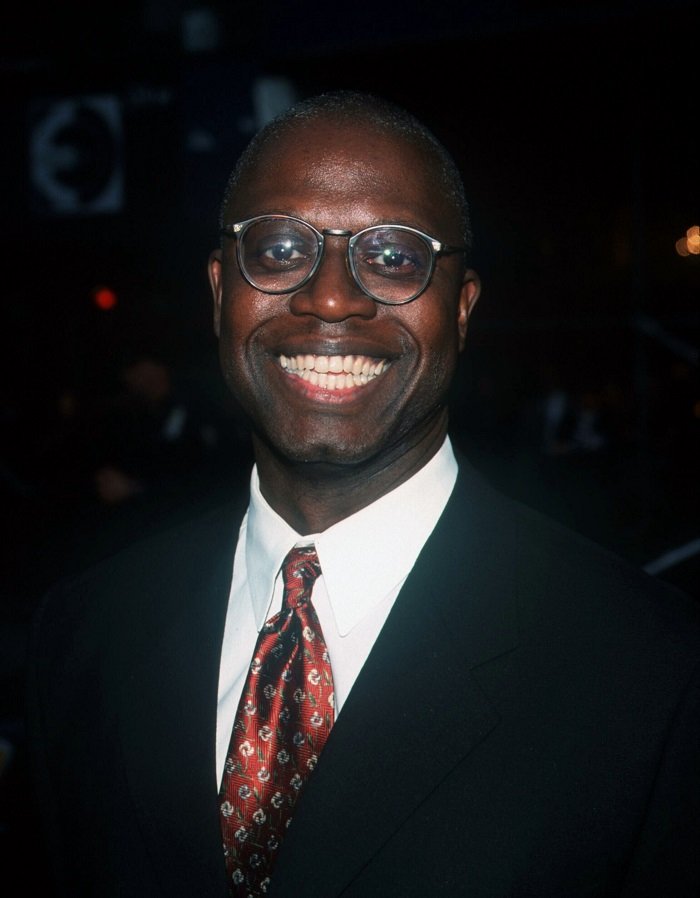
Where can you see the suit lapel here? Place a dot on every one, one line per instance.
(168, 719)
(415, 711)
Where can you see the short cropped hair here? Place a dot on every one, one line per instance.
(353, 106)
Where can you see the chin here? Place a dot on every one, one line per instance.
(335, 454)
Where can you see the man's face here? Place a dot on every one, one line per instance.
(335, 175)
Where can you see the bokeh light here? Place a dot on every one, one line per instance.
(104, 298)
(690, 244)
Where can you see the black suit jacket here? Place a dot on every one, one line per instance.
(527, 724)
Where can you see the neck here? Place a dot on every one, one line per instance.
(312, 496)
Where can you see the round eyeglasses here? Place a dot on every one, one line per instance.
(391, 263)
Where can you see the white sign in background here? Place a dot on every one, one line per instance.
(76, 156)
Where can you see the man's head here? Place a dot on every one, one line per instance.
(348, 108)
(343, 162)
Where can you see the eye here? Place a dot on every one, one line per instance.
(392, 254)
(393, 258)
(278, 250)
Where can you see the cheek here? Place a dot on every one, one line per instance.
(438, 346)
(436, 333)
(236, 327)
(243, 313)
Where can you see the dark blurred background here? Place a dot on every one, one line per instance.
(576, 128)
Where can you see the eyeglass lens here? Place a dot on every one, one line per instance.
(277, 255)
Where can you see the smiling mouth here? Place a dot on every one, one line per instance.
(334, 372)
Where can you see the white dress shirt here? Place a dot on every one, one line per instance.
(375, 547)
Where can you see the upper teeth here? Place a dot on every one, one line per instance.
(334, 371)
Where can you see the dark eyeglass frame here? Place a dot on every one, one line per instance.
(436, 248)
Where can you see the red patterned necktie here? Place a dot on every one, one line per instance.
(282, 723)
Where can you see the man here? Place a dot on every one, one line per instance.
(515, 710)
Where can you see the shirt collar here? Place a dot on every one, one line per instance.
(363, 557)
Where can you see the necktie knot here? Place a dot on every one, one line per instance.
(300, 569)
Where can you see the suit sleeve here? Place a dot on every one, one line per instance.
(42, 795)
(666, 859)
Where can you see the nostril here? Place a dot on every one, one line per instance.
(332, 305)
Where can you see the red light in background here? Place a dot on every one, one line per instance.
(104, 298)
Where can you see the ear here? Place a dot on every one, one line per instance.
(468, 295)
(215, 282)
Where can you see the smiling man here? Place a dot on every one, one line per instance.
(341, 304)
(374, 675)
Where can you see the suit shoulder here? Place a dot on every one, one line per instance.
(550, 551)
(566, 582)
(603, 610)
(127, 584)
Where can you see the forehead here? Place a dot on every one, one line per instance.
(345, 174)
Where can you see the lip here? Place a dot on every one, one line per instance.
(323, 395)
(308, 345)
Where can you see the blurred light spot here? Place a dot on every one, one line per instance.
(690, 244)
(692, 239)
(104, 298)
(199, 140)
(696, 410)
(201, 30)
(682, 247)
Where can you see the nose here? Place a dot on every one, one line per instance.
(332, 293)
